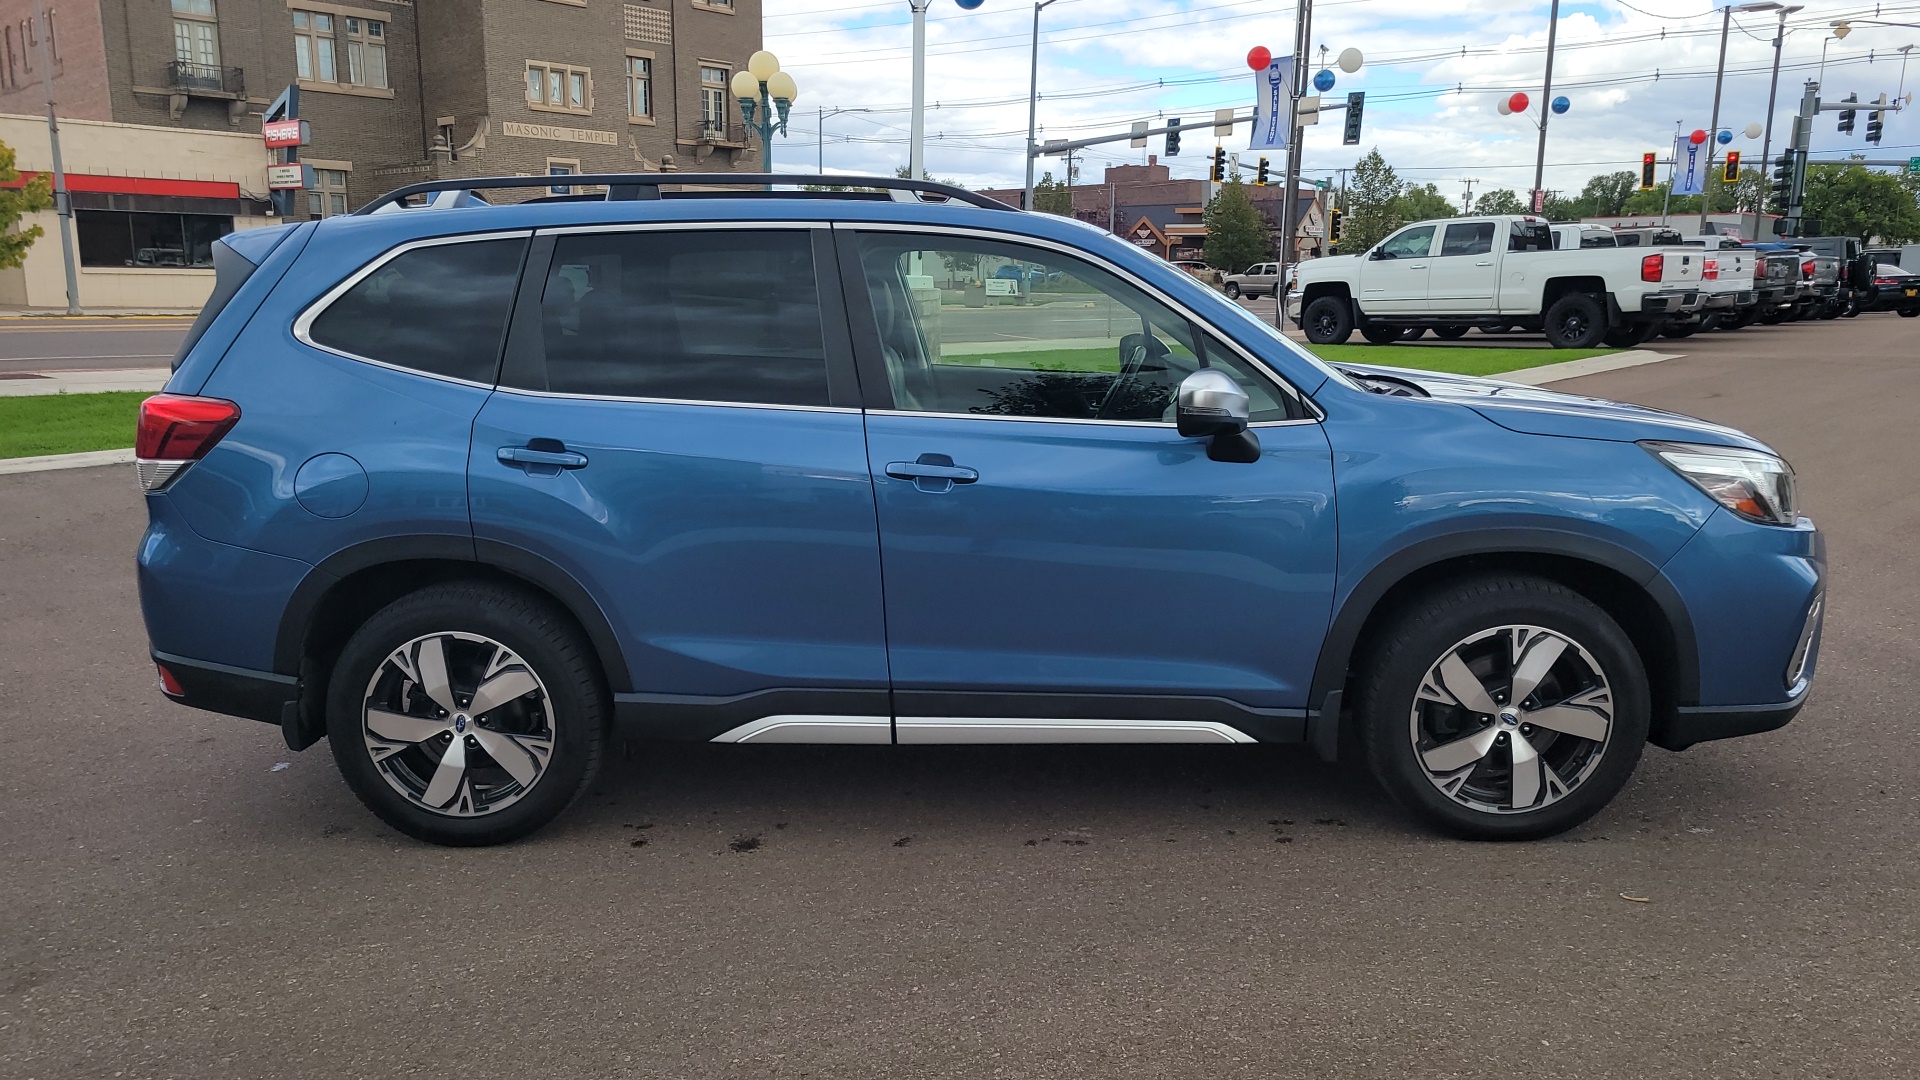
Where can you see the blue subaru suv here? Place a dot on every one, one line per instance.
(460, 486)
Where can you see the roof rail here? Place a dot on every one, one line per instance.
(645, 186)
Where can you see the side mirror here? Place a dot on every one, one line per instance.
(1377, 253)
(1212, 406)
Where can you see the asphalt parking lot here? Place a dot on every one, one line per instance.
(183, 897)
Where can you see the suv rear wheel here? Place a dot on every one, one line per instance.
(1233, 290)
(467, 714)
(1504, 708)
(1328, 321)
(1576, 321)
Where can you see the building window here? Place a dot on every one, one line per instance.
(148, 241)
(562, 167)
(559, 88)
(367, 53)
(196, 36)
(313, 46)
(713, 99)
(717, 5)
(328, 196)
(639, 88)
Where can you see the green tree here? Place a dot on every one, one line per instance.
(1238, 234)
(1373, 204)
(1606, 195)
(1052, 196)
(1424, 202)
(1499, 201)
(15, 203)
(1849, 199)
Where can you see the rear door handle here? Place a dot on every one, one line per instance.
(932, 472)
(541, 457)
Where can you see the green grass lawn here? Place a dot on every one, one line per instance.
(67, 423)
(1452, 359)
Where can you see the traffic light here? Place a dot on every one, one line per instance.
(1730, 172)
(1647, 162)
(1782, 197)
(1173, 136)
(1356, 104)
(1260, 177)
(1333, 225)
(1846, 116)
(1219, 174)
(1877, 123)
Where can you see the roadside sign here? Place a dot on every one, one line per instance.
(279, 133)
(1139, 134)
(288, 177)
(1913, 166)
(1002, 287)
(1308, 110)
(1222, 123)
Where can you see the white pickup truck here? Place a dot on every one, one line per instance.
(1729, 299)
(1457, 273)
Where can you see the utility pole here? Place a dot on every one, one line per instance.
(1546, 110)
(1773, 93)
(1033, 103)
(62, 198)
(1673, 173)
(1466, 201)
(1713, 131)
(917, 133)
(1302, 41)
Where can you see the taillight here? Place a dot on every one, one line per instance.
(168, 684)
(176, 431)
(1806, 268)
(1886, 281)
(1653, 267)
(1709, 270)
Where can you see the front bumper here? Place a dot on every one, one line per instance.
(1293, 306)
(1671, 303)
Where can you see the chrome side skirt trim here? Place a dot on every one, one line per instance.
(923, 730)
(860, 730)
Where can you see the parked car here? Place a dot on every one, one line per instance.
(1894, 289)
(459, 489)
(1260, 279)
(1572, 236)
(1457, 273)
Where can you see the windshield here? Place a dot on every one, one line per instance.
(1222, 304)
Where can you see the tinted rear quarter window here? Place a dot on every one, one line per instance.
(717, 315)
(1530, 236)
(441, 309)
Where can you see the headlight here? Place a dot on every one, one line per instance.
(1754, 485)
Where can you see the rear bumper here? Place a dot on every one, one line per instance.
(255, 695)
(1671, 303)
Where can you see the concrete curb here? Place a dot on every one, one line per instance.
(50, 462)
(1592, 365)
(84, 381)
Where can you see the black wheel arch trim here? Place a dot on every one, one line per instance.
(1343, 634)
(509, 558)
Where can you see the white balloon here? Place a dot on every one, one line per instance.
(1754, 130)
(1505, 109)
(1350, 60)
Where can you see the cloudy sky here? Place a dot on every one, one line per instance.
(1434, 71)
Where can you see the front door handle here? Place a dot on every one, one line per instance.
(1484, 262)
(932, 472)
(541, 457)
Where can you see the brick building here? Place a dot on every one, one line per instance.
(395, 91)
(1145, 204)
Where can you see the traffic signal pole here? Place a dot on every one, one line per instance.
(1302, 41)
(1713, 131)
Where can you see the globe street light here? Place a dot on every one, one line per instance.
(764, 89)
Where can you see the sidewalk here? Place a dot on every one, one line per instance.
(30, 384)
(100, 313)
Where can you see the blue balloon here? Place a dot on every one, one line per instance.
(970, 5)
(1323, 82)
(1726, 136)
(1561, 105)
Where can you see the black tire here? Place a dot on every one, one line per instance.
(1328, 321)
(1391, 706)
(564, 716)
(1774, 316)
(1413, 333)
(1377, 334)
(1451, 332)
(1576, 321)
(1627, 335)
(1233, 290)
(1710, 321)
(1908, 313)
(1852, 308)
(1832, 309)
(1498, 328)
(1742, 320)
(1681, 330)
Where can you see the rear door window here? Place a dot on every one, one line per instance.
(723, 315)
(1468, 238)
(1530, 236)
(440, 309)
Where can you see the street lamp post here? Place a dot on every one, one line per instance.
(820, 151)
(1033, 105)
(765, 90)
(1773, 93)
(1719, 76)
(1841, 29)
(62, 199)
(1539, 204)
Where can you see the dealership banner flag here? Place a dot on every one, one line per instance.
(1273, 105)
(1690, 168)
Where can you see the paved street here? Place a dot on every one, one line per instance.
(53, 344)
(177, 902)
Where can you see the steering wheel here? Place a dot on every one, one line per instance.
(1134, 352)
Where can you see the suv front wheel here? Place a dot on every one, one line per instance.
(1504, 708)
(467, 714)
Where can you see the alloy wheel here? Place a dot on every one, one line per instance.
(458, 724)
(1512, 719)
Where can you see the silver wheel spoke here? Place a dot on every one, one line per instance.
(1537, 656)
(432, 665)
(401, 728)
(1460, 753)
(523, 758)
(446, 779)
(501, 689)
(1464, 685)
(1571, 719)
(1526, 771)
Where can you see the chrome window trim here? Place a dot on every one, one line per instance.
(1157, 425)
(303, 323)
(505, 389)
(1213, 333)
(678, 226)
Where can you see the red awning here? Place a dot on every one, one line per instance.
(140, 185)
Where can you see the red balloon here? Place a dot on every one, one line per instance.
(1518, 103)
(1697, 137)
(1259, 57)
